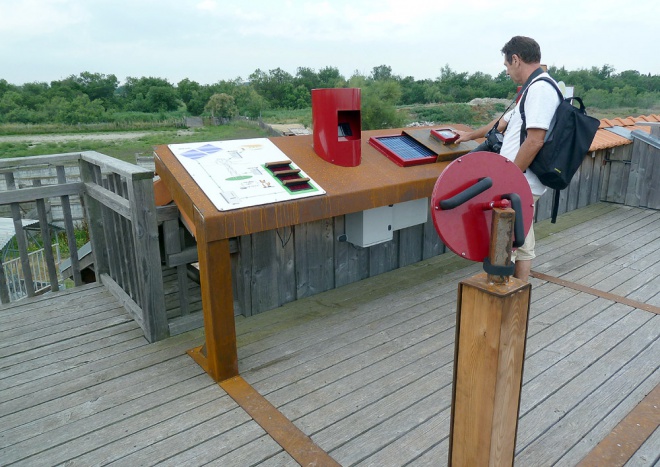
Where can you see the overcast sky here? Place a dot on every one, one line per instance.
(211, 40)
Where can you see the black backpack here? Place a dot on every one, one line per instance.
(566, 143)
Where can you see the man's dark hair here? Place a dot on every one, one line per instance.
(526, 48)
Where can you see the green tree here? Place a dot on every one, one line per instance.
(34, 95)
(10, 100)
(5, 87)
(329, 77)
(161, 99)
(378, 102)
(382, 73)
(197, 101)
(98, 86)
(78, 110)
(307, 78)
(249, 102)
(221, 105)
(275, 86)
(136, 95)
(187, 89)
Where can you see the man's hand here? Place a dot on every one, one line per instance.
(480, 132)
(463, 136)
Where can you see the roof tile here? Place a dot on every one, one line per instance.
(606, 139)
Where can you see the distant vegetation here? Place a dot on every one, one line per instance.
(101, 101)
(127, 149)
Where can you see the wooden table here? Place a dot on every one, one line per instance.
(374, 183)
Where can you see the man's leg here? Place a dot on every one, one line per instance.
(524, 255)
(523, 267)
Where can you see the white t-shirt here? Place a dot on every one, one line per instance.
(540, 106)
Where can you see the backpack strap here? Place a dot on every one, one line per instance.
(555, 207)
(523, 129)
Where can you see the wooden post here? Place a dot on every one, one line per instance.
(94, 217)
(68, 225)
(149, 274)
(491, 330)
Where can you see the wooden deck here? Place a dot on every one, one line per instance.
(364, 370)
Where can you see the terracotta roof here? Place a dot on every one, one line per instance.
(607, 139)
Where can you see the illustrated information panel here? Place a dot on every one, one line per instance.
(240, 173)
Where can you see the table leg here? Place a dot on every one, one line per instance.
(218, 356)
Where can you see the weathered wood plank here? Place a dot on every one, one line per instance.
(384, 257)
(28, 195)
(411, 242)
(90, 432)
(351, 262)
(43, 160)
(241, 271)
(68, 225)
(172, 245)
(272, 280)
(591, 395)
(573, 191)
(628, 408)
(115, 372)
(111, 164)
(148, 277)
(30, 366)
(619, 173)
(653, 175)
(587, 179)
(108, 199)
(539, 419)
(95, 222)
(47, 242)
(432, 245)
(314, 261)
(55, 324)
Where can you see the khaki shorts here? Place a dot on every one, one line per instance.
(526, 252)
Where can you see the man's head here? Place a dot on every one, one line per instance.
(522, 55)
(526, 48)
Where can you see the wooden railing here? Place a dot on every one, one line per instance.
(121, 217)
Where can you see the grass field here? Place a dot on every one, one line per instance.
(127, 149)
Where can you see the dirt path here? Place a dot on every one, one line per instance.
(61, 138)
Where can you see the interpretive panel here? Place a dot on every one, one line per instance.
(240, 173)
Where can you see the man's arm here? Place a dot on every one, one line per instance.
(480, 132)
(530, 147)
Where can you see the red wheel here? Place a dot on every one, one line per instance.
(465, 229)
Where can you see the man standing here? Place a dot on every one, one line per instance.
(522, 60)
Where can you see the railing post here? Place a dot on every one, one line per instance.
(147, 250)
(47, 243)
(94, 215)
(70, 231)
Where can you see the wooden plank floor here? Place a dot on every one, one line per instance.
(364, 370)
